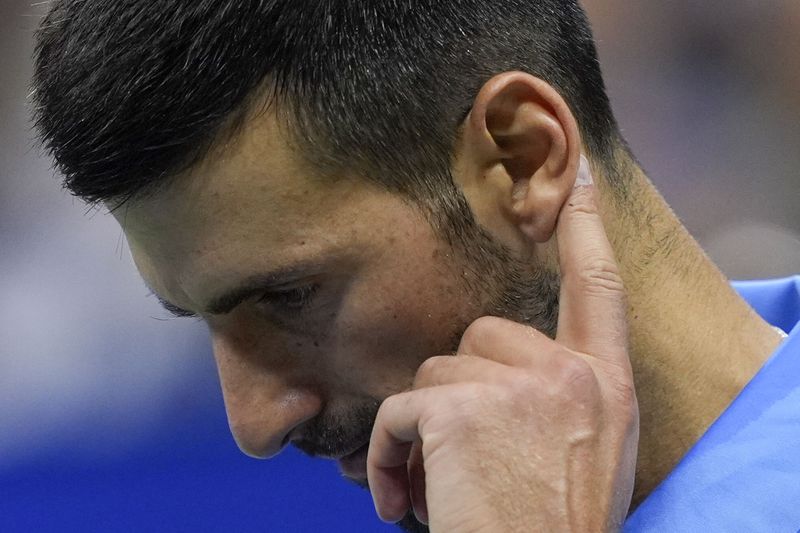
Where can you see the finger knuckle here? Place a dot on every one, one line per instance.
(478, 331)
(601, 274)
(460, 413)
(428, 370)
(624, 397)
(387, 405)
(575, 374)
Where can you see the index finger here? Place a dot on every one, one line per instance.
(592, 306)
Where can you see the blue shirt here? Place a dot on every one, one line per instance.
(743, 475)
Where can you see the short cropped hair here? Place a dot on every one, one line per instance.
(129, 93)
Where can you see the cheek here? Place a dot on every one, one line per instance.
(389, 327)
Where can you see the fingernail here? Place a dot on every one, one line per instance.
(584, 178)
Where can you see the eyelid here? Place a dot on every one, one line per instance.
(280, 298)
(180, 313)
(173, 309)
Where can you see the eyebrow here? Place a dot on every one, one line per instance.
(228, 300)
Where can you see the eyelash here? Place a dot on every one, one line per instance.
(292, 300)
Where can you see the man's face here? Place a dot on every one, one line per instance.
(322, 297)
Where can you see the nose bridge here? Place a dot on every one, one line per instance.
(263, 400)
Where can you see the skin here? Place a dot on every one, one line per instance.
(279, 369)
(392, 294)
(569, 423)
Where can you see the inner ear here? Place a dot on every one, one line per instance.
(524, 128)
(528, 136)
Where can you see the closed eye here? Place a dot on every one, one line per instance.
(173, 309)
(290, 301)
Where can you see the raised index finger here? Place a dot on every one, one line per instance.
(592, 308)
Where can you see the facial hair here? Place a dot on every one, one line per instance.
(329, 435)
(521, 291)
(501, 285)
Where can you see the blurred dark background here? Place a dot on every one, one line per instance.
(111, 418)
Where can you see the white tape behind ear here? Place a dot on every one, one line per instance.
(584, 177)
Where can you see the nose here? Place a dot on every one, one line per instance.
(263, 405)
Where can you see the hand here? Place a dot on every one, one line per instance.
(520, 432)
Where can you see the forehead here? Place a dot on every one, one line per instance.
(253, 201)
(255, 171)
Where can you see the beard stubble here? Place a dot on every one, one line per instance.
(506, 286)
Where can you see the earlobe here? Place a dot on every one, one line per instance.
(526, 132)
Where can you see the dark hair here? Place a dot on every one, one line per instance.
(128, 93)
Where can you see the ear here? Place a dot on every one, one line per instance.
(519, 154)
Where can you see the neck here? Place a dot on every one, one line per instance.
(694, 342)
